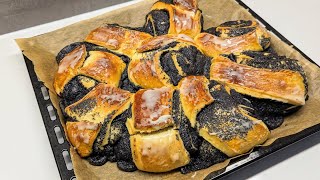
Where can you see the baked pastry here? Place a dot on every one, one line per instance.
(174, 17)
(233, 37)
(171, 95)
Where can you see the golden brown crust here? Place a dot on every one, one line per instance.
(100, 102)
(214, 46)
(182, 21)
(104, 67)
(82, 136)
(284, 85)
(101, 66)
(151, 110)
(159, 152)
(141, 71)
(117, 39)
(107, 36)
(194, 95)
(142, 68)
(68, 68)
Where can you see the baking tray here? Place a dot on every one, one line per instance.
(60, 146)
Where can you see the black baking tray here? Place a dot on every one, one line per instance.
(60, 146)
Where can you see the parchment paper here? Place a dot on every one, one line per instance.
(42, 50)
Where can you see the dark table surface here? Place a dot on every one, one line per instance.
(20, 14)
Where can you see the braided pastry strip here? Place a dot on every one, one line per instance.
(233, 37)
(176, 17)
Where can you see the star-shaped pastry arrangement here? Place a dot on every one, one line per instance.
(172, 95)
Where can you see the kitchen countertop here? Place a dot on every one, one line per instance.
(20, 14)
(25, 149)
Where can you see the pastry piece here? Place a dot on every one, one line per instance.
(233, 37)
(76, 88)
(194, 95)
(82, 66)
(118, 147)
(151, 110)
(141, 69)
(104, 67)
(202, 153)
(271, 112)
(185, 59)
(82, 136)
(100, 102)
(126, 84)
(271, 61)
(159, 152)
(156, 146)
(100, 105)
(117, 39)
(142, 73)
(175, 17)
(164, 42)
(68, 67)
(284, 85)
(226, 124)
(69, 48)
(188, 134)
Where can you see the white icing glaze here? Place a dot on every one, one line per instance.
(144, 67)
(101, 66)
(188, 90)
(175, 157)
(114, 97)
(89, 126)
(85, 137)
(212, 133)
(153, 69)
(152, 96)
(235, 73)
(187, 4)
(161, 119)
(71, 60)
(108, 94)
(113, 42)
(152, 111)
(247, 124)
(232, 44)
(194, 175)
(183, 20)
